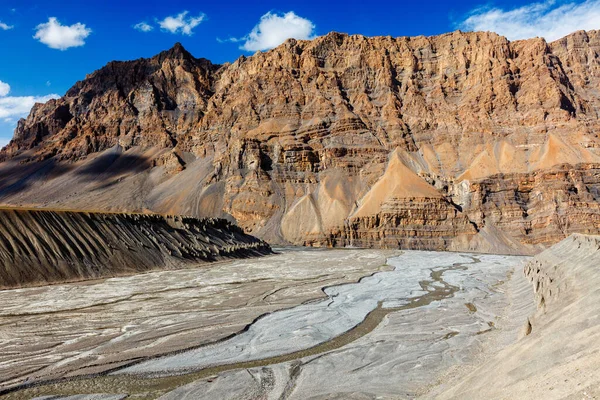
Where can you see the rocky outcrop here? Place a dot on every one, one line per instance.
(412, 223)
(41, 247)
(299, 144)
(146, 102)
(539, 207)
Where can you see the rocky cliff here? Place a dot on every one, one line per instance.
(457, 141)
(40, 247)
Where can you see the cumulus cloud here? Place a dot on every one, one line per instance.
(4, 89)
(61, 37)
(19, 106)
(4, 26)
(548, 19)
(14, 107)
(143, 27)
(274, 29)
(181, 23)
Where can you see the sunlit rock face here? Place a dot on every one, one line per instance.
(462, 141)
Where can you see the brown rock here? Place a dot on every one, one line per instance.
(339, 140)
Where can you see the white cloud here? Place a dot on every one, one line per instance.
(4, 26)
(181, 23)
(230, 40)
(3, 142)
(548, 19)
(61, 37)
(143, 27)
(13, 107)
(274, 29)
(4, 89)
(19, 106)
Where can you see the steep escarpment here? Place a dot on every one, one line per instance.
(40, 247)
(559, 355)
(483, 139)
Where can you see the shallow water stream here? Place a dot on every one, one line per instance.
(345, 319)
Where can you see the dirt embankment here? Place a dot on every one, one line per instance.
(558, 356)
(40, 247)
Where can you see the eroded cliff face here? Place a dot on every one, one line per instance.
(40, 247)
(426, 142)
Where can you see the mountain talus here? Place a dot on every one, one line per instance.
(457, 141)
(39, 247)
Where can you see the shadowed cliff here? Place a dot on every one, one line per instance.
(40, 247)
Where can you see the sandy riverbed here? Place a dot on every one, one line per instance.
(411, 349)
(73, 329)
(391, 335)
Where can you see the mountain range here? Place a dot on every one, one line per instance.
(462, 141)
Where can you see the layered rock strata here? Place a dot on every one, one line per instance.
(299, 144)
(41, 247)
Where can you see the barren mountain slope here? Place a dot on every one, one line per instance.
(41, 247)
(457, 141)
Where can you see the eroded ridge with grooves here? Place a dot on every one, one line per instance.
(40, 247)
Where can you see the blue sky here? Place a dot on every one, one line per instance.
(48, 46)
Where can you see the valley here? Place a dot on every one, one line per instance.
(411, 311)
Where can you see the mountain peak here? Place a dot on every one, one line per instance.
(175, 52)
(178, 47)
(458, 107)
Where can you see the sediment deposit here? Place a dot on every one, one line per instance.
(70, 330)
(440, 325)
(491, 144)
(558, 356)
(40, 247)
(390, 333)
